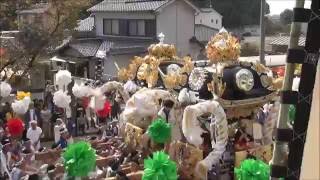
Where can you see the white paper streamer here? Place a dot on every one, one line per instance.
(144, 103)
(63, 78)
(115, 86)
(187, 97)
(269, 125)
(61, 99)
(97, 100)
(80, 91)
(5, 89)
(130, 87)
(295, 84)
(22, 106)
(219, 129)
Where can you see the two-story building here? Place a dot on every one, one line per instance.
(208, 22)
(117, 30)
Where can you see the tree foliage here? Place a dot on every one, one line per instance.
(286, 17)
(8, 12)
(37, 39)
(236, 13)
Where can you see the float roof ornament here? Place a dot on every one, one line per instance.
(161, 37)
(223, 47)
(223, 30)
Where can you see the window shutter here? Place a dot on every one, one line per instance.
(133, 27)
(151, 29)
(107, 26)
(123, 27)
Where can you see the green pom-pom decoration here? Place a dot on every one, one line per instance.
(79, 159)
(251, 169)
(159, 167)
(292, 113)
(159, 131)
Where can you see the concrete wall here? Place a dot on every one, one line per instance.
(176, 21)
(99, 16)
(209, 19)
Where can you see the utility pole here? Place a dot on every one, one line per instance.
(262, 32)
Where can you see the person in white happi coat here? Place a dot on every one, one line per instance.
(34, 133)
(59, 125)
(173, 116)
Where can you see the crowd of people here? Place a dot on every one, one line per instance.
(44, 122)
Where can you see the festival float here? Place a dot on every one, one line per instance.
(213, 112)
(181, 119)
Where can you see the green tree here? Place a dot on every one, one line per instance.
(273, 28)
(236, 12)
(286, 17)
(8, 12)
(36, 40)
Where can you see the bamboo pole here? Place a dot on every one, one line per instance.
(280, 151)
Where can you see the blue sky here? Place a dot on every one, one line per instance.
(277, 6)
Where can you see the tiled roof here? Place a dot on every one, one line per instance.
(204, 33)
(284, 41)
(87, 48)
(85, 25)
(128, 5)
(101, 47)
(64, 43)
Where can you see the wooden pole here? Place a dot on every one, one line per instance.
(281, 148)
(262, 32)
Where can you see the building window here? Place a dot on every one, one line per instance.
(115, 27)
(133, 28)
(150, 28)
(217, 21)
(211, 20)
(141, 28)
(200, 20)
(137, 28)
(111, 27)
(123, 27)
(129, 27)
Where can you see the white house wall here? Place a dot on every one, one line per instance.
(209, 19)
(99, 16)
(176, 21)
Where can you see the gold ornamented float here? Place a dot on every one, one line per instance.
(207, 97)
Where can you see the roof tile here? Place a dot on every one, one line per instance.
(284, 41)
(85, 25)
(128, 5)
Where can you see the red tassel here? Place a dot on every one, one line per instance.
(103, 113)
(15, 127)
